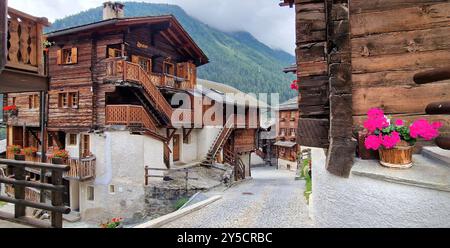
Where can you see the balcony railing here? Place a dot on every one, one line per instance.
(25, 50)
(81, 169)
(130, 116)
(130, 72)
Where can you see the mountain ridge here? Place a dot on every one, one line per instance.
(236, 58)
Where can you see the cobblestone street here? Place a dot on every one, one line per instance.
(272, 199)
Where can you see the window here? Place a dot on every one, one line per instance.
(90, 193)
(293, 114)
(72, 139)
(114, 51)
(67, 56)
(33, 101)
(62, 100)
(293, 132)
(73, 99)
(144, 62)
(68, 99)
(85, 146)
(14, 101)
(282, 132)
(112, 189)
(169, 68)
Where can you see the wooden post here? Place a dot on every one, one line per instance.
(146, 175)
(43, 143)
(57, 197)
(19, 190)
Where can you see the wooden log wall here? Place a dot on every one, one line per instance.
(391, 41)
(26, 116)
(71, 78)
(342, 147)
(312, 73)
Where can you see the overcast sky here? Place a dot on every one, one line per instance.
(269, 23)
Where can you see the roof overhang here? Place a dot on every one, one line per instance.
(174, 33)
(289, 3)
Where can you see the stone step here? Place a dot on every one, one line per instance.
(72, 217)
(437, 154)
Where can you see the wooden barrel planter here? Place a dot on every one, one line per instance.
(399, 157)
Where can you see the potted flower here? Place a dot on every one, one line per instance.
(11, 110)
(114, 223)
(59, 156)
(395, 141)
(30, 152)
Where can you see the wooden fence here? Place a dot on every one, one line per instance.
(20, 184)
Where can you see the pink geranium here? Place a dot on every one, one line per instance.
(390, 141)
(399, 123)
(422, 128)
(376, 120)
(373, 142)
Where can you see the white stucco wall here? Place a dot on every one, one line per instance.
(287, 165)
(189, 151)
(364, 202)
(206, 137)
(121, 158)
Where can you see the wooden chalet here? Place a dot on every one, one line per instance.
(286, 144)
(360, 54)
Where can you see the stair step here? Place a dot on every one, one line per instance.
(437, 154)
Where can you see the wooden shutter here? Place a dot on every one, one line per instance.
(59, 56)
(74, 55)
(111, 52)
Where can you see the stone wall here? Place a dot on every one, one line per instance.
(161, 200)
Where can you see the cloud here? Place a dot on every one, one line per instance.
(264, 19)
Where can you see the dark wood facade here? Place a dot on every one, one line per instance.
(356, 55)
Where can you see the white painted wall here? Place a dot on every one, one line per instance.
(189, 152)
(364, 202)
(287, 165)
(121, 158)
(206, 137)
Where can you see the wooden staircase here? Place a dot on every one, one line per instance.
(219, 142)
(122, 71)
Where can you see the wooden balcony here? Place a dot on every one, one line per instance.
(130, 116)
(25, 68)
(81, 169)
(124, 71)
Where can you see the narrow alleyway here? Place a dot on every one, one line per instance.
(272, 199)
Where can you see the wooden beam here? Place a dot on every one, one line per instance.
(186, 134)
(169, 134)
(438, 108)
(432, 76)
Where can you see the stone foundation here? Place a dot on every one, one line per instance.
(160, 201)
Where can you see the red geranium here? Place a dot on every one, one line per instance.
(294, 85)
(10, 108)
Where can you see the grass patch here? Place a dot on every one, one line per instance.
(305, 174)
(180, 203)
(2, 204)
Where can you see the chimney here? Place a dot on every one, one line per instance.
(113, 10)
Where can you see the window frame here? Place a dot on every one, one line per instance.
(90, 193)
(67, 56)
(70, 136)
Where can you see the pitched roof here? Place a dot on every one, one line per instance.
(291, 104)
(174, 27)
(218, 92)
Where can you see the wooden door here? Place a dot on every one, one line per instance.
(176, 147)
(85, 146)
(18, 136)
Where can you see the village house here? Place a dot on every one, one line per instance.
(286, 144)
(353, 56)
(118, 101)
